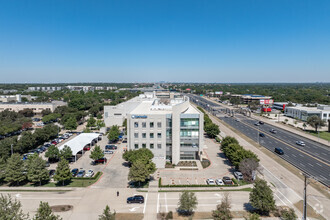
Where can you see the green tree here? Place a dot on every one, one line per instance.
(228, 140)
(27, 112)
(91, 122)
(288, 214)
(261, 197)
(15, 170)
(114, 133)
(100, 124)
(37, 171)
(66, 152)
(96, 153)
(138, 172)
(315, 121)
(142, 153)
(11, 209)
(62, 172)
(44, 212)
(223, 209)
(187, 203)
(212, 130)
(26, 142)
(107, 215)
(2, 169)
(53, 153)
(71, 123)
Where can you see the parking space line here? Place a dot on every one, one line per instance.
(145, 204)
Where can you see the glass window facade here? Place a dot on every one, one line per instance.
(189, 122)
(144, 124)
(144, 135)
(151, 135)
(136, 146)
(136, 124)
(151, 146)
(189, 133)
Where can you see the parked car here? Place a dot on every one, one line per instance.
(238, 175)
(111, 147)
(135, 199)
(227, 180)
(219, 182)
(98, 161)
(51, 173)
(279, 151)
(210, 182)
(262, 135)
(273, 131)
(86, 148)
(90, 173)
(74, 172)
(54, 142)
(47, 164)
(81, 173)
(300, 143)
(108, 152)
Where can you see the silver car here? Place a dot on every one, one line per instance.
(300, 143)
(238, 175)
(210, 182)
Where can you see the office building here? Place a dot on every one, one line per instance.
(37, 107)
(302, 112)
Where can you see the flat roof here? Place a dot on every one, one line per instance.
(79, 142)
(310, 109)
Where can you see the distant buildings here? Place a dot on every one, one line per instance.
(248, 98)
(16, 98)
(302, 112)
(37, 107)
(45, 89)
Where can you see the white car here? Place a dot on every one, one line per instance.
(90, 173)
(219, 182)
(210, 182)
(300, 143)
(108, 152)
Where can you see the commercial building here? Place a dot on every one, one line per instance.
(302, 112)
(11, 98)
(170, 127)
(45, 88)
(279, 105)
(247, 98)
(37, 107)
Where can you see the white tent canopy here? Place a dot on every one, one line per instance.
(79, 142)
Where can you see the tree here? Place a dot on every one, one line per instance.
(91, 122)
(11, 209)
(45, 112)
(53, 153)
(228, 140)
(100, 124)
(288, 214)
(71, 123)
(37, 171)
(304, 125)
(212, 130)
(62, 172)
(315, 121)
(187, 203)
(44, 212)
(96, 153)
(143, 153)
(114, 133)
(15, 170)
(66, 152)
(261, 197)
(26, 142)
(223, 209)
(27, 112)
(138, 172)
(2, 169)
(247, 166)
(107, 215)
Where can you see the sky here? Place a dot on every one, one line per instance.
(222, 41)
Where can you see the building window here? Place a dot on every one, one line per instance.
(151, 124)
(159, 124)
(136, 146)
(159, 135)
(136, 124)
(151, 135)
(151, 146)
(136, 135)
(324, 115)
(144, 135)
(159, 146)
(144, 125)
(144, 145)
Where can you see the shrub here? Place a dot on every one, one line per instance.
(205, 163)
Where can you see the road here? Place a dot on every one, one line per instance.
(312, 159)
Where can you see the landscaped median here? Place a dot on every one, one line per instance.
(77, 181)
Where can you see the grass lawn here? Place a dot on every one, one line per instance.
(323, 134)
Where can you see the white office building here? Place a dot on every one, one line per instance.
(302, 112)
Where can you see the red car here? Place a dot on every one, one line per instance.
(102, 160)
(87, 148)
(54, 142)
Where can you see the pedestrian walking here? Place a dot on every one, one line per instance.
(117, 193)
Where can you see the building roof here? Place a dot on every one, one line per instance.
(79, 142)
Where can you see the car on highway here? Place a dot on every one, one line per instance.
(226, 180)
(81, 173)
(261, 122)
(256, 124)
(108, 152)
(111, 147)
(273, 131)
(238, 175)
(237, 120)
(90, 173)
(300, 143)
(279, 151)
(98, 161)
(210, 182)
(74, 172)
(219, 182)
(135, 199)
(262, 135)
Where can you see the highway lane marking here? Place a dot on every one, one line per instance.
(294, 155)
(319, 164)
(323, 177)
(301, 155)
(310, 165)
(158, 203)
(290, 146)
(280, 199)
(145, 204)
(302, 164)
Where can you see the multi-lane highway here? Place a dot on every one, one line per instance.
(313, 158)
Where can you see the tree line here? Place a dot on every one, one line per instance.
(212, 130)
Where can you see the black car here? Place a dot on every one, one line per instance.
(51, 173)
(262, 135)
(279, 151)
(74, 171)
(111, 147)
(135, 199)
(261, 122)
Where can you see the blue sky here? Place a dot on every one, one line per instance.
(164, 40)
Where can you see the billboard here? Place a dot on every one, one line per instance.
(219, 93)
(266, 101)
